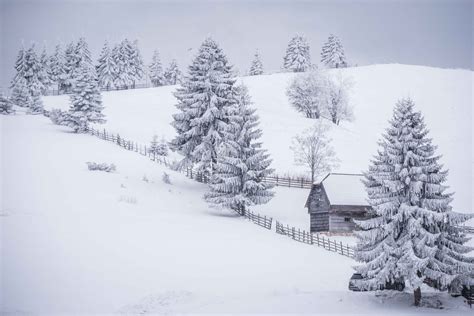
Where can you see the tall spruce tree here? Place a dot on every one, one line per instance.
(122, 57)
(20, 67)
(257, 67)
(204, 101)
(57, 73)
(86, 100)
(33, 82)
(332, 54)
(297, 57)
(43, 74)
(173, 74)
(156, 70)
(69, 67)
(414, 234)
(137, 65)
(106, 68)
(237, 182)
(20, 93)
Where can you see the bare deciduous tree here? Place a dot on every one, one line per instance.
(338, 107)
(313, 149)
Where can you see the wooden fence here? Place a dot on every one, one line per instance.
(290, 182)
(260, 220)
(314, 239)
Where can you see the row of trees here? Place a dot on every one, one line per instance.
(217, 131)
(413, 235)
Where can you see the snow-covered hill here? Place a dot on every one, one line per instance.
(88, 242)
(444, 96)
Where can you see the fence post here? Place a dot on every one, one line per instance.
(289, 181)
(277, 179)
(342, 249)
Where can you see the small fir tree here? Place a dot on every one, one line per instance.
(414, 234)
(5, 105)
(257, 67)
(332, 54)
(156, 70)
(173, 74)
(297, 57)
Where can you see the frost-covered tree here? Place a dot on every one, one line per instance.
(122, 57)
(106, 68)
(82, 54)
(308, 94)
(204, 101)
(20, 93)
(137, 65)
(256, 68)
(332, 54)
(313, 149)
(5, 105)
(158, 147)
(173, 74)
(86, 101)
(20, 67)
(155, 70)
(237, 182)
(413, 235)
(33, 83)
(339, 107)
(44, 70)
(297, 57)
(57, 73)
(69, 67)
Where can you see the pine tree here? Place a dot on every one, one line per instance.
(257, 67)
(122, 57)
(82, 54)
(332, 54)
(33, 83)
(204, 101)
(297, 57)
(86, 101)
(106, 69)
(20, 67)
(57, 73)
(156, 70)
(44, 71)
(414, 234)
(5, 105)
(20, 93)
(137, 65)
(69, 67)
(158, 147)
(173, 74)
(241, 163)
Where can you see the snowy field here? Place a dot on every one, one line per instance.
(81, 242)
(444, 96)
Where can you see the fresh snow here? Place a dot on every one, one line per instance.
(76, 241)
(444, 96)
(345, 189)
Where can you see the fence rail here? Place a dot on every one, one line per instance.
(314, 239)
(290, 182)
(260, 220)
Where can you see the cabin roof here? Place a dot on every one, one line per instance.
(345, 189)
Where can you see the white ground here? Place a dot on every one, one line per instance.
(444, 96)
(80, 242)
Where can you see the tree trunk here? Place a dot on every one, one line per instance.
(417, 296)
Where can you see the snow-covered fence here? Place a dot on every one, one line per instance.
(314, 239)
(260, 220)
(290, 182)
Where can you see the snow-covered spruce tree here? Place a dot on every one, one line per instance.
(256, 68)
(69, 67)
(332, 54)
(173, 74)
(241, 162)
(122, 57)
(414, 234)
(83, 55)
(20, 93)
(5, 105)
(86, 101)
(57, 73)
(204, 102)
(158, 147)
(156, 70)
(43, 74)
(137, 65)
(33, 82)
(297, 57)
(106, 68)
(20, 67)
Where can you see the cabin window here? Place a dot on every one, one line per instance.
(347, 219)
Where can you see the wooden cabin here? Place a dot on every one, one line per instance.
(335, 202)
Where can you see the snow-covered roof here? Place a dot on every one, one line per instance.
(345, 189)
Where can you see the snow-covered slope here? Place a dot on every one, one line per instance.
(87, 242)
(444, 96)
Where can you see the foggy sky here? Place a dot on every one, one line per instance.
(435, 33)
